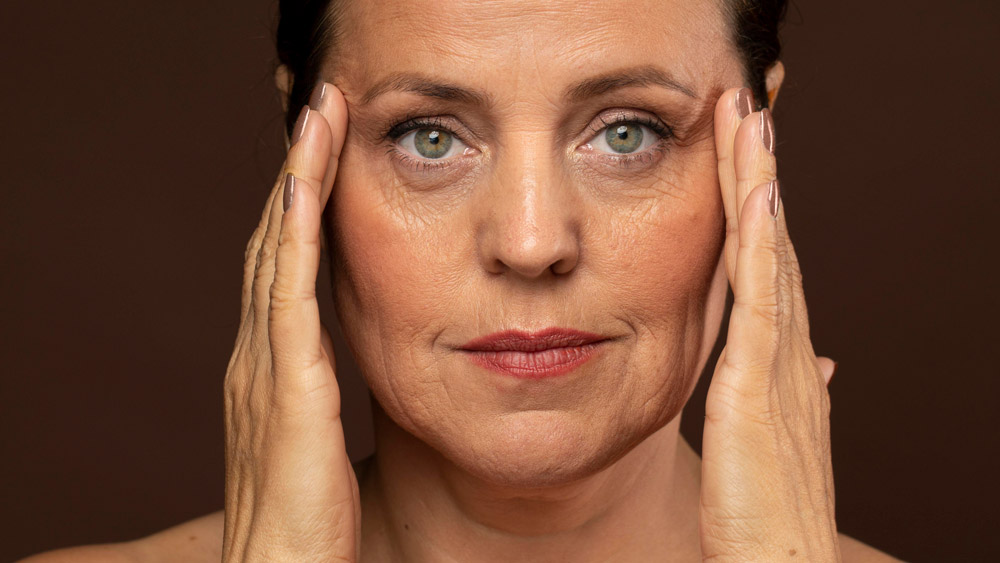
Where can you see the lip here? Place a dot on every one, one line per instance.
(533, 355)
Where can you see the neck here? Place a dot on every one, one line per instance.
(418, 506)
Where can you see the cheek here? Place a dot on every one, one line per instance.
(662, 240)
(660, 261)
(395, 271)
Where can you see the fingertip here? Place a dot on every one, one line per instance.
(333, 106)
(828, 367)
(773, 198)
(757, 207)
(288, 192)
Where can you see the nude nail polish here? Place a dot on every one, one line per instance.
(318, 93)
(767, 129)
(300, 125)
(744, 102)
(773, 197)
(289, 192)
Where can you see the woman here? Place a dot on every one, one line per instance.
(533, 218)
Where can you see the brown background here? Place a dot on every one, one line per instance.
(139, 140)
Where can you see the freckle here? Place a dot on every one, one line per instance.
(791, 552)
(406, 526)
(191, 538)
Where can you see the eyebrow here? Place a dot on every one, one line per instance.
(587, 88)
(635, 76)
(424, 86)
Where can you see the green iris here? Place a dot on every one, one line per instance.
(432, 143)
(625, 138)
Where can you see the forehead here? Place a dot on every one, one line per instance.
(508, 44)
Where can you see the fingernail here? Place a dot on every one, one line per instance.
(744, 102)
(289, 191)
(835, 364)
(300, 125)
(319, 92)
(767, 129)
(773, 196)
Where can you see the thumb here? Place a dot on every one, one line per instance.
(827, 366)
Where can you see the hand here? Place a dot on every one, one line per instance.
(767, 477)
(291, 494)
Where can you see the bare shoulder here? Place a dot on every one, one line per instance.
(106, 553)
(854, 551)
(195, 541)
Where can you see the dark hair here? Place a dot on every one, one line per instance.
(308, 28)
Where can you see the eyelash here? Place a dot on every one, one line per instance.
(408, 124)
(662, 130)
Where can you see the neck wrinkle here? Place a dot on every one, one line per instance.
(431, 510)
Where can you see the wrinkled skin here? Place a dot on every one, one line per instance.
(530, 223)
(465, 249)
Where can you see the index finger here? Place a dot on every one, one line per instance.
(733, 106)
(327, 100)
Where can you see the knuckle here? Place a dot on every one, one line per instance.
(762, 307)
(283, 300)
(251, 248)
(741, 407)
(266, 251)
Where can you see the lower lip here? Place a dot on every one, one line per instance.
(534, 365)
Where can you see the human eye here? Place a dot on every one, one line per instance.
(627, 136)
(427, 140)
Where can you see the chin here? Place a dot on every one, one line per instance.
(536, 449)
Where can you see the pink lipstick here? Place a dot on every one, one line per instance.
(546, 353)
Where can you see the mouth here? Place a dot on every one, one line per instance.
(546, 353)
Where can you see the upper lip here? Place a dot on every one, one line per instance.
(523, 341)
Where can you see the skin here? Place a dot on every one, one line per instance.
(533, 226)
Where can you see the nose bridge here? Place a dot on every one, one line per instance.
(532, 227)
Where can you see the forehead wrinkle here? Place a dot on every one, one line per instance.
(451, 38)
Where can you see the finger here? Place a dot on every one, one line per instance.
(828, 367)
(306, 161)
(793, 273)
(250, 255)
(293, 319)
(757, 317)
(753, 157)
(263, 274)
(328, 101)
(734, 105)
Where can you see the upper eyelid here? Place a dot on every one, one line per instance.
(600, 122)
(624, 115)
(408, 125)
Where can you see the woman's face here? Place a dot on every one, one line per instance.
(526, 165)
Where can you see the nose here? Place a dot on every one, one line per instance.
(531, 217)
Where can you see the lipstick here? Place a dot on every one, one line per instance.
(546, 353)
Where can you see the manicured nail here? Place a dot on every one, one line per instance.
(835, 364)
(744, 102)
(289, 193)
(300, 125)
(767, 129)
(773, 197)
(319, 92)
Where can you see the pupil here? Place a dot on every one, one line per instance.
(434, 137)
(623, 132)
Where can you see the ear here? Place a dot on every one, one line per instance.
(283, 80)
(773, 79)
